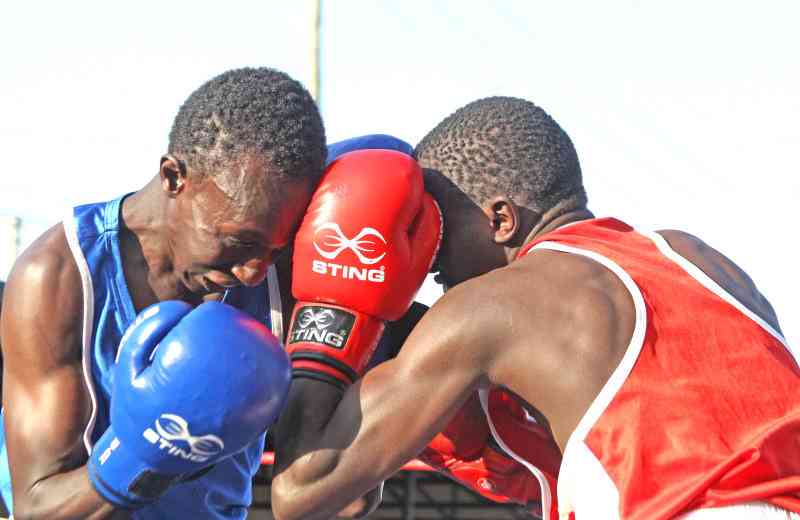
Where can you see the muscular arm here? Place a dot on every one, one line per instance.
(45, 400)
(389, 416)
(311, 404)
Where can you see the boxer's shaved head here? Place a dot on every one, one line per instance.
(506, 146)
(254, 111)
(245, 153)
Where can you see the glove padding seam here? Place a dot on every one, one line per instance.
(111, 495)
(298, 373)
(318, 357)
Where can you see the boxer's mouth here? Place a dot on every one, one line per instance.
(213, 287)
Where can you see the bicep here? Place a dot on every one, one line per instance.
(44, 420)
(45, 401)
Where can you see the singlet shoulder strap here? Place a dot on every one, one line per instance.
(275, 306)
(71, 231)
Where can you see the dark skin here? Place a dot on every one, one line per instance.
(564, 318)
(184, 238)
(310, 405)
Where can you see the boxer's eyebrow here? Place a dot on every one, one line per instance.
(252, 239)
(244, 238)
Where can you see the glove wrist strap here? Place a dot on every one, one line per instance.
(331, 343)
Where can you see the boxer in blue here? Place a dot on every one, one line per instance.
(245, 152)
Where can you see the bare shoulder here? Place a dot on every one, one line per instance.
(563, 287)
(711, 261)
(723, 271)
(544, 290)
(43, 302)
(565, 321)
(542, 301)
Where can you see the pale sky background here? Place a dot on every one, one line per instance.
(684, 113)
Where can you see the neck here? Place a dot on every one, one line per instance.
(550, 221)
(146, 249)
(138, 211)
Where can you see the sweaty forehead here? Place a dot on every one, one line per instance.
(269, 209)
(246, 179)
(248, 185)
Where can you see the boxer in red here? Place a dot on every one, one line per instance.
(651, 359)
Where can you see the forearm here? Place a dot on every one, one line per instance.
(310, 406)
(353, 453)
(64, 496)
(306, 492)
(382, 421)
(303, 460)
(363, 506)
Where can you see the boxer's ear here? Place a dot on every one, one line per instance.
(173, 175)
(504, 218)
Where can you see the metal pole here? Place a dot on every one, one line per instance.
(315, 56)
(411, 496)
(17, 226)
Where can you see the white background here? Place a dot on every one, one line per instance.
(685, 114)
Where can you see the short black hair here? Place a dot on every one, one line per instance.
(260, 110)
(506, 146)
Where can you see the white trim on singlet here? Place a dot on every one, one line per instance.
(547, 498)
(71, 232)
(569, 489)
(590, 490)
(275, 305)
(706, 281)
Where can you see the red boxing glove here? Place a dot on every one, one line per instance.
(365, 245)
(463, 439)
(466, 452)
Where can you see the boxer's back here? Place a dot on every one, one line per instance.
(723, 271)
(667, 368)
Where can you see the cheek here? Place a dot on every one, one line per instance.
(451, 257)
(285, 224)
(462, 256)
(194, 249)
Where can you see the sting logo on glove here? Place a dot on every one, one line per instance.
(368, 246)
(173, 429)
(359, 245)
(321, 319)
(325, 325)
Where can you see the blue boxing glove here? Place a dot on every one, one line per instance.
(368, 142)
(191, 386)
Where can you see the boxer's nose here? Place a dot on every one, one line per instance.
(251, 272)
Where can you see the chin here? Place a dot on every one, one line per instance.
(194, 286)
